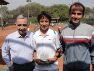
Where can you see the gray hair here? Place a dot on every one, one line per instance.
(22, 16)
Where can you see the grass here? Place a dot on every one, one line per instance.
(4, 69)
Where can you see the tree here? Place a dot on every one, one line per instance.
(59, 11)
(4, 11)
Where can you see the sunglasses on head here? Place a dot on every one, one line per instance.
(21, 24)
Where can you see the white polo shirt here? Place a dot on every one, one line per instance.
(47, 44)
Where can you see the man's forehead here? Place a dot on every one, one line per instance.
(21, 20)
(43, 17)
(75, 8)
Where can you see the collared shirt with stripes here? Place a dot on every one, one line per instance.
(17, 48)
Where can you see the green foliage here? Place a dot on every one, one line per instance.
(87, 10)
(56, 11)
(33, 19)
(4, 11)
(59, 11)
(84, 20)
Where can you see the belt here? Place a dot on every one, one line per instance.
(25, 65)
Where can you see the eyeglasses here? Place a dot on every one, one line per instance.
(22, 25)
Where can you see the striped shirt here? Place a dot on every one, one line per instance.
(77, 44)
(19, 48)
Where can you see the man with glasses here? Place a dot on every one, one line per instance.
(17, 50)
(76, 41)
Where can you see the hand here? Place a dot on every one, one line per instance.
(39, 61)
(11, 68)
(51, 60)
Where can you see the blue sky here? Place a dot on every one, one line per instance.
(16, 3)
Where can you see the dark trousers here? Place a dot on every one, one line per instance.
(69, 69)
(24, 67)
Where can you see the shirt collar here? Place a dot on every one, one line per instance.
(19, 36)
(47, 33)
(74, 25)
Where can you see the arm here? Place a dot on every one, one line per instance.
(92, 49)
(56, 56)
(62, 44)
(58, 50)
(35, 54)
(6, 53)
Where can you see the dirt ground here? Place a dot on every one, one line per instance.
(10, 29)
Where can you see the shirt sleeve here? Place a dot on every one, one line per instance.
(58, 45)
(92, 47)
(31, 37)
(34, 43)
(92, 44)
(6, 52)
(62, 42)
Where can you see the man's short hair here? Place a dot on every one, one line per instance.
(78, 6)
(22, 16)
(42, 15)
